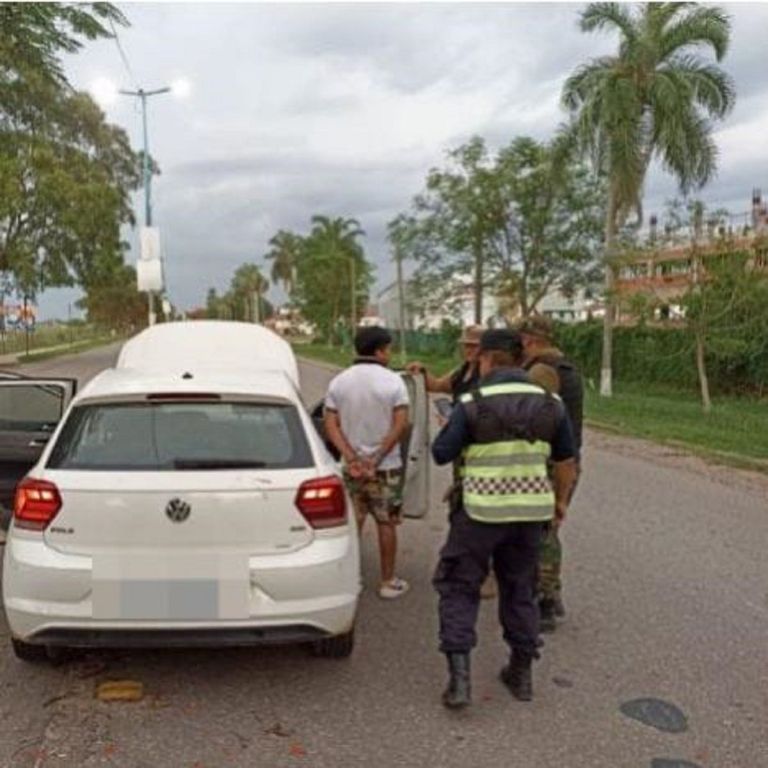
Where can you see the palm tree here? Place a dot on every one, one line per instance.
(336, 239)
(285, 251)
(654, 99)
(247, 289)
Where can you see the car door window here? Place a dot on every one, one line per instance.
(32, 408)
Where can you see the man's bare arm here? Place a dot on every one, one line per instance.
(336, 436)
(434, 384)
(395, 435)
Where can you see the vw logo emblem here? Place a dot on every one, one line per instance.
(177, 510)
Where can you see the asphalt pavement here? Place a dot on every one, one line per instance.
(667, 595)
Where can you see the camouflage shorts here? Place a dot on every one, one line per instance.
(381, 497)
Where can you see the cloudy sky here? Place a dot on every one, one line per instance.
(342, 109)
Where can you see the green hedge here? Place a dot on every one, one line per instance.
(666, 356)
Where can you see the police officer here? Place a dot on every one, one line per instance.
(507, 429)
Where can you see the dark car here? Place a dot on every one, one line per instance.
(30, 409)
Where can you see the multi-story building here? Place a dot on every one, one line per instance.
(667, 267)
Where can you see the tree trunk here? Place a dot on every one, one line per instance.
(478, 285)
(701, 368)
(353, 299)
(606, 370)
(401, 301)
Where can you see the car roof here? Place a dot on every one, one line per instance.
(209, 346)
(127, 382)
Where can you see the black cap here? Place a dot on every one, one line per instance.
(502, 340)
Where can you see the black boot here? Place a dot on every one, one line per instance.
(457, 694)
(517, 676)
(559, 606)
(547, 621)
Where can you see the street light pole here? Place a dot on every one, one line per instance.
(142, 96)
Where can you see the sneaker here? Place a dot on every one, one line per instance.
(395, 588)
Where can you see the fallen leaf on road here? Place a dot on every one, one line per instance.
(120, 690)
(297, 750)
(109, 750)
(278, 730)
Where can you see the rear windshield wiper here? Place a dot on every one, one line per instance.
(218, 464)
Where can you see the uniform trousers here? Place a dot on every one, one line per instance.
(464, 564)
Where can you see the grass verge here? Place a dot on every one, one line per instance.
(70, 349)
(735, 433)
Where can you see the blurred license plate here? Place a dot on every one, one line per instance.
(150, 588)
(174, 600)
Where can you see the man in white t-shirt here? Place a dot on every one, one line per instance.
(366, 417)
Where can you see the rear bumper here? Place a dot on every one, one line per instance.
(177, 638)
(291, 598)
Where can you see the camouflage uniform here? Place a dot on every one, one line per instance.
(551, 551)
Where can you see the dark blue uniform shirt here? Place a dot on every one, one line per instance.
(455, 436)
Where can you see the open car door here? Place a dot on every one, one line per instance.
(30, 411)
(415, 450)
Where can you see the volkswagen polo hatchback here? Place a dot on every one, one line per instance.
(186, 498)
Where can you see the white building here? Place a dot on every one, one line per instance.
(460, 308)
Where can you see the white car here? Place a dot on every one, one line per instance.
(185, 498)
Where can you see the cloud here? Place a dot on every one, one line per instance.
(342, 109)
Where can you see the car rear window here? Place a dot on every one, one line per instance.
(181, 436)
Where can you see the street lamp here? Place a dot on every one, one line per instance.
(106, 93)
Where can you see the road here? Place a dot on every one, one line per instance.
(667, 591)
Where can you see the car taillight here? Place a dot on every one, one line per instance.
(37, 502)
(322, 502)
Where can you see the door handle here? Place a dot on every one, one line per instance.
(38, 443)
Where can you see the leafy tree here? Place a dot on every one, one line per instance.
(654, 99)
(521, 222)
(33, 37)
(726, 315)
(333, 277)
(112, 300)
(212, 304)
(65, 174)
(285, 251)
(457, 217)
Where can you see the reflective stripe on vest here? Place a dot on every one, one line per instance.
(507, 481)
(511, 388)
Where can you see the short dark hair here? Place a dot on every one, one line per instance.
(368, 341)
(503, 340)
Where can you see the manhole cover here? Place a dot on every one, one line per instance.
(657, 714)
(669, 762)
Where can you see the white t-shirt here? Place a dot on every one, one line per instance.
(364, 396)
